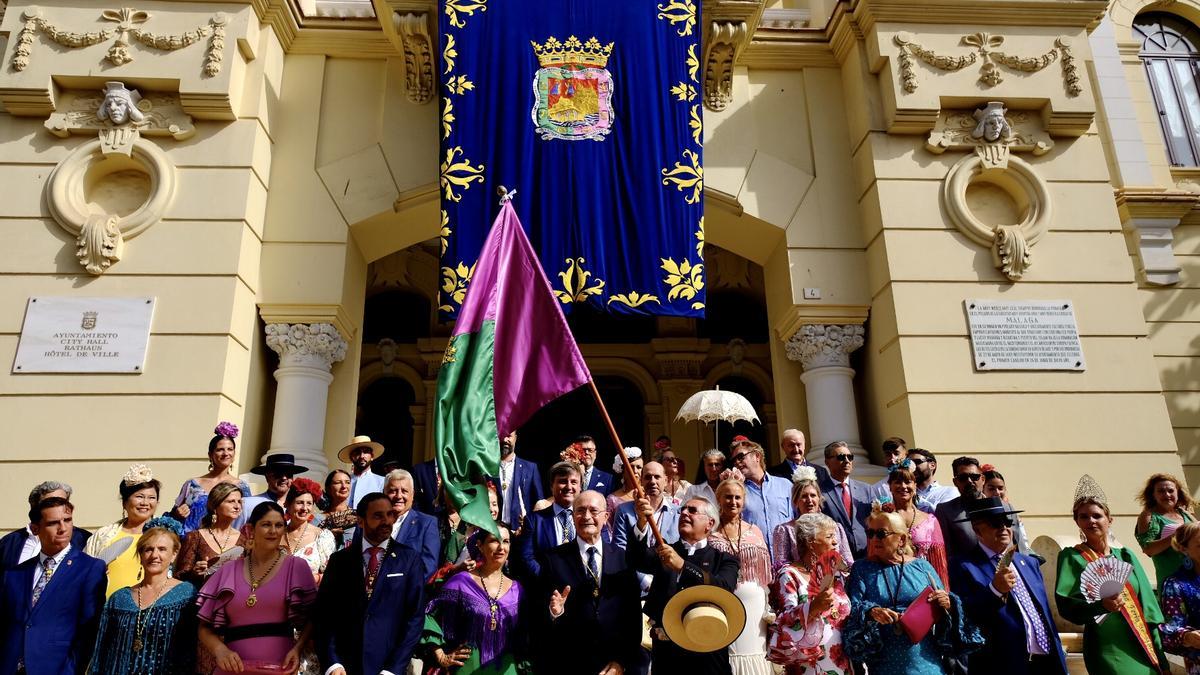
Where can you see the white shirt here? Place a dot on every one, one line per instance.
(41, 566)
(507, 467)
(692, 548)
(32, 546)
(583, 555)
(399, 522)
(366, 561)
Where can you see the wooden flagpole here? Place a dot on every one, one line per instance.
(616, 439)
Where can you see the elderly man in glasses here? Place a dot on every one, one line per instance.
(846, 500)
(768, 498)
(951, 515)
(1009, 602)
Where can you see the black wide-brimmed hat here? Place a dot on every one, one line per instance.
(280, 462)
(986, 507)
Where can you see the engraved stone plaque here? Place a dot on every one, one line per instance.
(1028, 335)
(84, 335)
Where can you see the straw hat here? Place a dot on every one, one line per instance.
(704, 618)
(360, 442)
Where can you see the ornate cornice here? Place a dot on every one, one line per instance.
(315, 345)
(334, 315)
(820, 345)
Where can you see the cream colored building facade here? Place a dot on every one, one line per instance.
(286, 176)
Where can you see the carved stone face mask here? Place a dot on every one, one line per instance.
(117, 109)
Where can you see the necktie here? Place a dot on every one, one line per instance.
(376, 553)
(48, 566)
(846, 499)
(568, 527)
(593, 566)
(1021, 594)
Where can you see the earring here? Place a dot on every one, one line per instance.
(1187, 563)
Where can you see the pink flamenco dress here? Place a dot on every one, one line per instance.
(262, 634)
(929, 546)
(804, 644)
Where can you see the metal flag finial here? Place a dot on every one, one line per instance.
(506, 195)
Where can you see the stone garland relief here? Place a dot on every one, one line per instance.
(114, 187)
(128, 27)
(991, 133)
(986, 51)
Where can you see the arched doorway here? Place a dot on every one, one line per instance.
(385, 415)
(545, 435)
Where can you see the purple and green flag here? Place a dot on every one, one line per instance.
(511, 353)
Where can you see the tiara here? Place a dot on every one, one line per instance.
(803, 473)
(1088, 488)
(137, 474)
(165, 523)
(226, 429)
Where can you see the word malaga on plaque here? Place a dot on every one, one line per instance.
(84, 335)
(1032, 335)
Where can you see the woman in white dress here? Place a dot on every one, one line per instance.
(748, 653)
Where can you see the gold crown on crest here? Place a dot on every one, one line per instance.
(573, 52)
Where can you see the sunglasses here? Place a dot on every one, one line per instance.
(918, 462)
(999, 522)
(693, 510)
(740, 456)
(879, 534)
(973, 477)
(847, 458)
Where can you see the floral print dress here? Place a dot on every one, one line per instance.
(807, 645)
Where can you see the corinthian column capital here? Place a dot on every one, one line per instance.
(818, 345)
(316, 345)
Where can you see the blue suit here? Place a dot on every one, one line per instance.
(539, 533)
(419, 531)
(425, 487)
(999, 619)
(57, 636)
(526, 491)
(601, 481)
(365, 635)
(625, 522)
(12, 543)
(855, 522)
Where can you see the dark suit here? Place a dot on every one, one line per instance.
(425, 488)
(12, 543)
(855, 522)
(784, 469)
(601, 481)
(999, 619)
(365, 635)
(57, 636)
(960, 537)
(705, 566)
(419, 531)
(526, 491)
(538, 534)
(593, 630)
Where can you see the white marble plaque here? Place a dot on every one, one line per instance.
(84, 335)
(1031, 335)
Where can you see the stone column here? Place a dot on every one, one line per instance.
(307, 353)
(824, 352)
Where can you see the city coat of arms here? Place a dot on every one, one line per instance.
(573, 89)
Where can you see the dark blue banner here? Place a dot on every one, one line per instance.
(591, 110)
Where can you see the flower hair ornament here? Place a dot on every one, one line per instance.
(632, 452)
(987, 467)
(226, 429)
(573, 453)
(137, 474)
(804, 473)
(166, 524)
(308, 486)
(905, 464)
(661, 445)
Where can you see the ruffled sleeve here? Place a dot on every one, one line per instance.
(1175, 610)
(862, 638)
(1153, 531)
(213, 598)
(955, 635)
(937, 553)
(794, 631)
(783, 545)
(844, 544)
(301, 590)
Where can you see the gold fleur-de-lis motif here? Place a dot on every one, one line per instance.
(575, 282)
(687, 176)
(459, 84)
(447, 117)
(699, 239)
(696, 123)
(693, 64)
(454, 284)
(449, 53)
(456, 172)
(684, 92)
(684, 279)
(451, 351)
(679, 12)
(633, 299)
(467, 7)
(445, 231)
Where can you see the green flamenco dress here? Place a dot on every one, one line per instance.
(1110, 647)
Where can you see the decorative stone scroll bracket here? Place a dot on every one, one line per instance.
(986, 52)
(721, 50)
(119, 163)
(1149, 218)
(413, 32)
(993, 136)
(128, 28)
